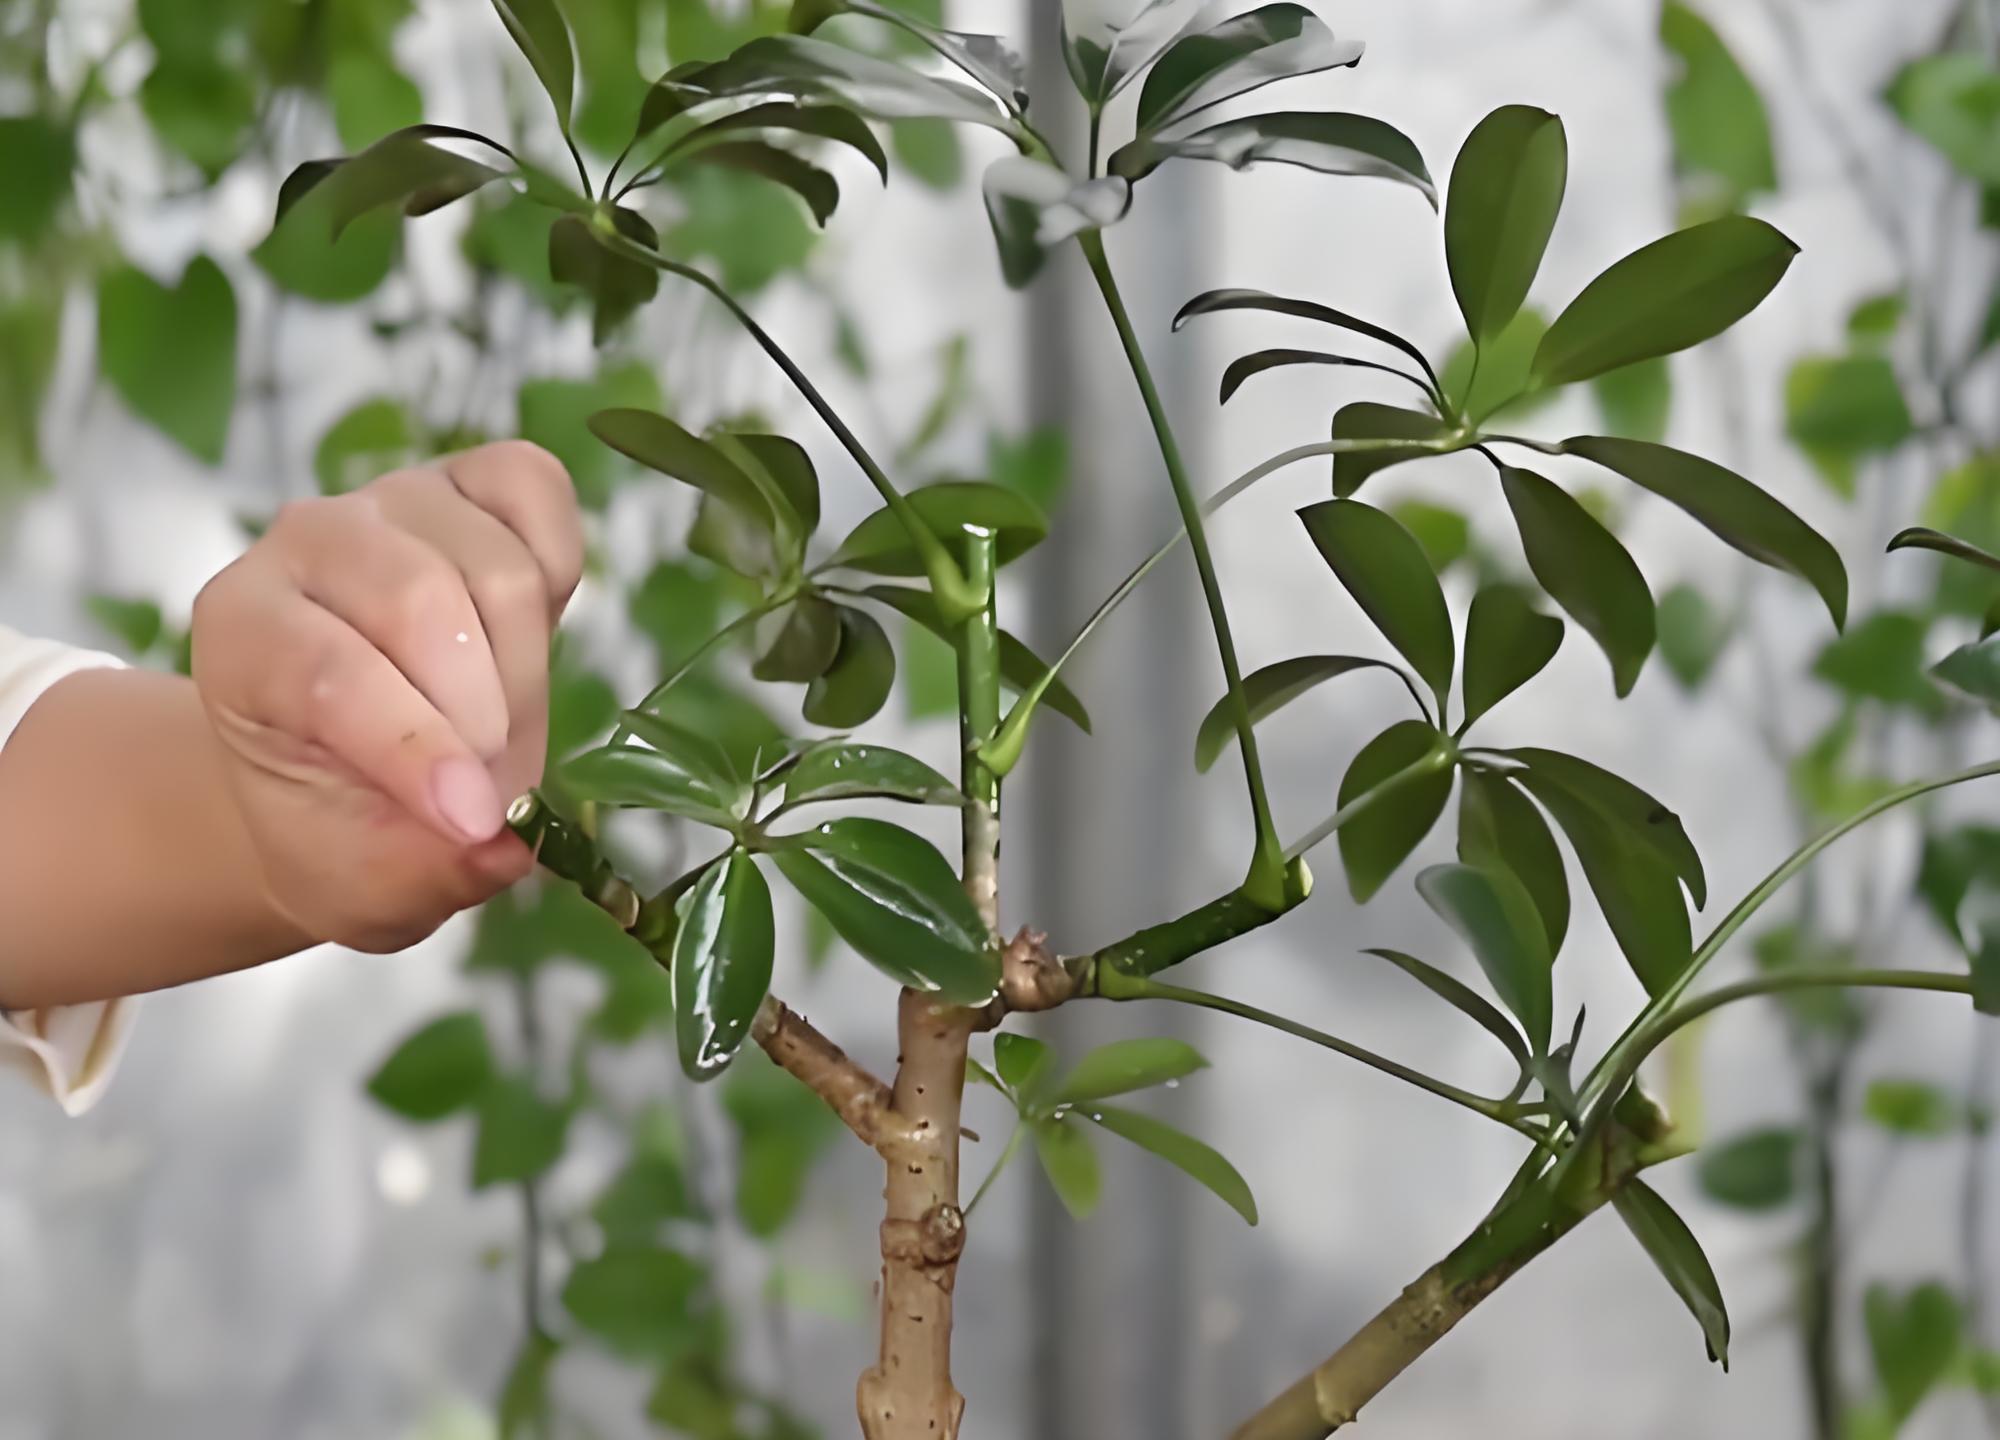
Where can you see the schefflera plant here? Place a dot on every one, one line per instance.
(933, 554)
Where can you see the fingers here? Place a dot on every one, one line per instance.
(528, 491)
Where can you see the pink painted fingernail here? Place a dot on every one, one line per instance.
(464, 795)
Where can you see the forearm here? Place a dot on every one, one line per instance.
(124, 863)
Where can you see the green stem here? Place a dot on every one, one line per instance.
(1007, 1153)
(956, 597)
(1439, 757)
(1148, 951)
(977, 641)
(1266, 880)
(1115, 985)
(702, 651)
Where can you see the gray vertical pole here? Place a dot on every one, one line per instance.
(1104, 823)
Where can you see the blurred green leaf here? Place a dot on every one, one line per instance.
(40, 158)
(510, 236)
(1507, 644)
(1380, 838)
(1952, 100)
(1755, 1170)
(1126, 1065)
(1692, 634)
(1024, 1064)
(677, 607)
(753, 232)
(368, 440)
(929, 150)
(441, 1069)
(1183, 1151)
(1673, 1248)
(782, 1131)
(137, 623)
(1913, 1339)
(303, 258)
(202, 108)
(557, 415)
(1493, 914)
(371, 98)
(1445, 533)
(1841, 409)
(1070, 1163)
(521, 1135)
(1036, 464)
(1384, 569)
(1635, 400)
(539, 30)
(172, 352)
(1721, 135)
(1910, 1107)
(616, 284)
(1881, 657)
(1954, 862)
(524, 1399)
(1505, 192)
(1973, 669)
(1485, 382)
(1874, 321)
(641, 1300)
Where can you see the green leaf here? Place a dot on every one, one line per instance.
(1506, 190)
(1585, 570)
(1127, 1065)
(1692, 635)
(1070, 1163)
(817, 188)
(1498, 826)
(1913, 1340)
(369, 440)
(809, 69)
(138, 624)
(1445, 533)
(881, 546)
(1366, 420)
(405, 170)
(1954, 862)
(1329, 141)
(1952, 100)
(555, 414)
(202, 108)
(172, 352)
(649, 780)
(642, 1300)
(893, 898)
(721, 963)
(1918, 537)
(521, 1135)
(1721, 135)
(1873, 322)
(1036, 463)
(41, 158)
(1507, 644)
(1666, 1237)
(1841, 409)
(659, 444)
(1635, 400)
(1973, 669)
(538, 29)
(1491, 912)
(1651, 823)
(842, 770)
(1985, 959)
(1241, 54)
(1484, 382)
(798, 641)
(856, 685)
(1184, 1152)
(1271, 689)
(1033, 206)
(782, 1130)
(1212, 302)
(824, 122)
(436, 1072)
(370, 98)
(1257, 362)
(1743, 515)
(781, 469)
(1020, 668)
(1384, 569)
(303, 257)
(1025, 1065)
(1104, 54)
(1910, 1107)
(752, 232)
(616, 284)
(1461, 997)
(1678, 291)
(1882, 658)
(1756, 1170)
(1374, 842)
(524, 1399)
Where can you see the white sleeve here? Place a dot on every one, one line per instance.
(69, 1052)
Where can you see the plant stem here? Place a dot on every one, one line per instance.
(701, 652)
(955, 596)
(1007, 1153)
(1266, 881)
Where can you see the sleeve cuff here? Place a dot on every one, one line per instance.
(71, 1053)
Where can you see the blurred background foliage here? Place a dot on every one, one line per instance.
(133, 132)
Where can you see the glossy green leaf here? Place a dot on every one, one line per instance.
(1910, 1107)
(1461, 997)
(1214, 302)
(644, 779)
(41, 159)
(1918, 537)
(616, 285)
(816, 187)
(1124, 1066)
(1678, 291)
(893, 898)
(1506, 190)
(659, 444)
(1585, 570)
(369, 440)
(1634, 401)
(824, 122)
(1365, 420)
(1200, 1161)
(881, 546)
(641, 1300)
(857, 683)
(1329, 141)
(1271, 689)
(1025, 1065)
(1841, 409)
(1498, 826)
(539, 30)
(1257, 362)
(1020, 668)
(803, 68)
(1493, 914)
(1913, 1339)
(1652, 823)
(1721, 135)
(1756, 1170)
(1973, 669)
(436, 1072)
(1485, 382)
(1378, 839)
(1744, 516)
(1507, 644)
(1692, 634)
(521, 1135)
(1105, 47)
(1070, 1163)
(798, 641)
(1673, 1248)
(1952, 100)
(303, 256)
(986, 58)
(1241, 54)
(406, 170)
(171, 352)
(721, 963)
(843, 770)
(1384, 569)
(780, 468)
(1034, 206)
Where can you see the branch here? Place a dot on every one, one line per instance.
(857, 1097)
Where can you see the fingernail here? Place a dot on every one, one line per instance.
(464, 795)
